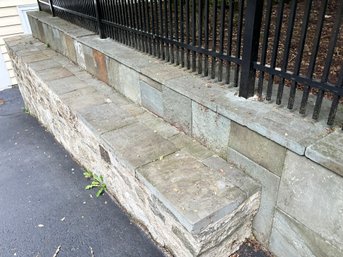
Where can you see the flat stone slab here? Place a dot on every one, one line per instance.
(196, 194)
(328, 152)
(138, 145)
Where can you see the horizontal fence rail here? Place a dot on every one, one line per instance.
(279, 50)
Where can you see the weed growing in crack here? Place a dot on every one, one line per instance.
(96, 182)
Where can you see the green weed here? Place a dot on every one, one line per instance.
(96, 182)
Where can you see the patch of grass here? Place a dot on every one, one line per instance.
(96, 182)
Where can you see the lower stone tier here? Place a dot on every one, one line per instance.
(191, 201)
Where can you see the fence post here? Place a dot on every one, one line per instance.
(251, 36)
(39, 8)
(52, 8)
(98, 17)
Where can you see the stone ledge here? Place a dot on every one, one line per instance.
(328, 152)
(271, 121)
(206, 204)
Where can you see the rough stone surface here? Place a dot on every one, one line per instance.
(177, 110)
(74, 118)
(149, 146)
(328, 152)
(210, 128)
(151, 96)
(292, 239)
(263, 221)
(100, 66)
(113, 74)
(173, 178)
(283, 127)
(129, 83)
(271, 121)
(263, 151)
(313, 195)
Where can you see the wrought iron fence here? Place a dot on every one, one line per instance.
(263, 47)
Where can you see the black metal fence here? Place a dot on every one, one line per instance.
(270, 48)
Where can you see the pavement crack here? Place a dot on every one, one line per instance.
(57, 251)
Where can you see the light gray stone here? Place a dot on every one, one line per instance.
(54, 73)
(151, 97)
(287, 129)
(80, 57)
(66, 85)
(232, 174)
(177, 110)
(191, 146)
(313, 195)
(113, 74)
(138, 145)
(195, 194)
(292, 239)
(258, 148)
(157, 124)
(107, 117)
(162, 72)
(210, 128)
(129, 83)
(328, 152)
(84, 98)
(263, 220)
(44, 64)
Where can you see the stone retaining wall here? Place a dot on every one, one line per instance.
(297, 161)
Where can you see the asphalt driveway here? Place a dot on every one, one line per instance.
(44, 208)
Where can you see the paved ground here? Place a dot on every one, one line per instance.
(44, 208)
(43, 204)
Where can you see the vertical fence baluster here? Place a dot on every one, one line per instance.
(39, 7)
(138, 25)
(171, 34)
(200, 59)
(301, 46)
(328, 60)
(193, 35)
(134, 23)
(142, 28)
(127, 21)
(161, 31)
(182, 33)
(206, 37)
(284, 64)
(275, 47)
(214, 39)
(335, 101)
(153, 25)
(251, 44)
(229, 40)
(98, 17)
(221, 40)
(314, 53)
(239, 36)
(166, 29)
(118, 16)
(176, 7)
(265, 45)
(148, 28)
(52, 9)
(188, 34)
